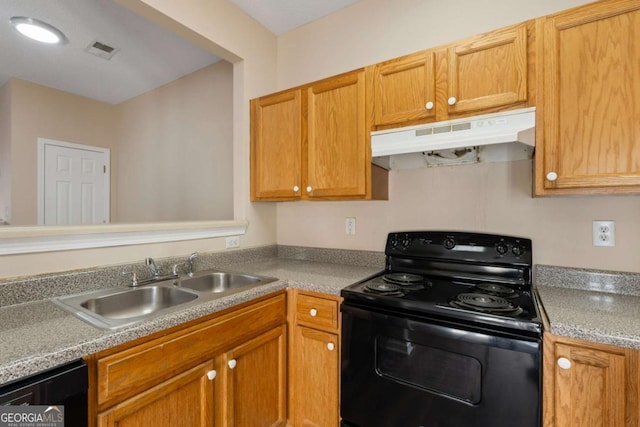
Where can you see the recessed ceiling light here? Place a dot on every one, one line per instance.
(37, 30)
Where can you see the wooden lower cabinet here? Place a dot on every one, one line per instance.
(227, 369)
(253, 382)
(316, 378)
(314, 381)
(589, 384)
(185, 400)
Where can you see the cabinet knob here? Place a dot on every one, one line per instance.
(429, 105)
(552, 176)
(331, 346)
(211, 374)
(313, 312)
(296, 188)
(309, 189)
(232, 363)
(564, 363)
(452, 100)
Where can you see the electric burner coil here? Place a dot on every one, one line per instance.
(486, 303)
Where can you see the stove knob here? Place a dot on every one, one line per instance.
(518, 250)
(406, 242)
(394, 243)
(449, 243)
(502, 248)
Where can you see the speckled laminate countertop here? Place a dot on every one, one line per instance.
(39, 335)
(592, 305)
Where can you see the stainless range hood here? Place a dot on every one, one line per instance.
(489, 137)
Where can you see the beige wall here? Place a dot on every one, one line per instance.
(41, 112)
(5, 150)
(231, 34)
(175, 150)
(492, 198)
(368, 32)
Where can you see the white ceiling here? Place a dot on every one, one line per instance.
(281, 16)
(149, 56)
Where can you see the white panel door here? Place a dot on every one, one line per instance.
(76, 184)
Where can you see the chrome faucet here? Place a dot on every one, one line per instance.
(152, 266)
(190, 263)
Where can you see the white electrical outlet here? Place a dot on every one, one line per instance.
(232, 242)
(350, 226)
(604, 233)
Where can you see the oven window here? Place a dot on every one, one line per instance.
(429, 368)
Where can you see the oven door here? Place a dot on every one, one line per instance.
(411, 372)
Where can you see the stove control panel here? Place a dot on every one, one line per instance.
(459, 246)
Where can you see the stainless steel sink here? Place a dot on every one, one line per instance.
(117, 307)
(218, 281)
(137, 302)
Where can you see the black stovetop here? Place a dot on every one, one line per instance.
(451, 266)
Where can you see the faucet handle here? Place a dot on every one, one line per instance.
(134, 277)
(190, 263)
(174, 269)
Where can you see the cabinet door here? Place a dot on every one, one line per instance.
(185, 400)
(404, 89)
(276, 144)
(589, 387)
(315, 383)
(255, 382)
(337, 138)
(488, 71)
(591, 108)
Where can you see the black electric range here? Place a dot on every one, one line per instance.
(448, 334)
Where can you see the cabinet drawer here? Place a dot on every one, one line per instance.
(130, 371)
(316, 311)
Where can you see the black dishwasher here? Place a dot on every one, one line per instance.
(64, 385)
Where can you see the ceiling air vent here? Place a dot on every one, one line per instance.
(101, 50)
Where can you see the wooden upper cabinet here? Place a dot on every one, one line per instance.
(481, 74)
(591, 123)
(276, 146)
(404, 89)
(337, 159)
(313, 143)
(487, 71)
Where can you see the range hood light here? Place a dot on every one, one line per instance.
(37, 30)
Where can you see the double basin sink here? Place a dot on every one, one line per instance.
(115, 308)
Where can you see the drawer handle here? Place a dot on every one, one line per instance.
(313, 312)
(552, 176)
(211, 374)
(564, 363)
(452, 100)
(232, 363)
(296, 188)
(429, 105)
(331, 346)
(309, 189)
